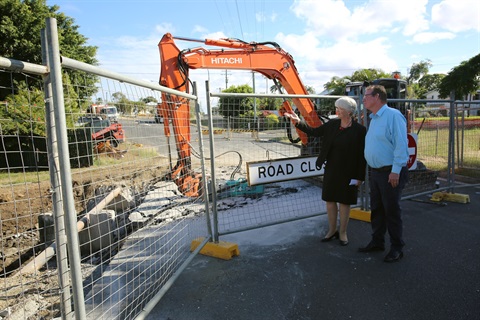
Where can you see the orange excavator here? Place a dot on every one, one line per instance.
(266, 58)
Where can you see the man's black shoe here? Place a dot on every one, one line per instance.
(393, 256)
(371, 247)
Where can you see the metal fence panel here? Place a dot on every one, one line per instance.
(241, 140)
(134, 226)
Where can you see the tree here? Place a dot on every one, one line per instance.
(416, 87)
(310, 89)
(463, 79)
(276, 103)
(23, 113)
(123, 104)
(20, 25)
(418, 70)
(234, 107)
(149, 99)
(369, 75)
(336, 85)
(428, 82)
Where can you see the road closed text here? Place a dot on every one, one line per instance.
(282, 170)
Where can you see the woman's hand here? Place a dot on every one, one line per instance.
(292, 116)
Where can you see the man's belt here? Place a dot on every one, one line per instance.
(383, 169)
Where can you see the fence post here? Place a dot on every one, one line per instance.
(202, 159)
(212, 166)
(451, 144)
(53, 167)
(64, 165)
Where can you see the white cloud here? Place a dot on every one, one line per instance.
(318, 64)
(273, 17)
(335, 20)
(298, 45)
(260, 17)
(457, 15)
(349, 56)
(214, 35)
(164, 28)
(429, 37)
(199, 29)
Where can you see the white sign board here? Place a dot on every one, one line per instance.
(261, 172)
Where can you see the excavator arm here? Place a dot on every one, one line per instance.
(265, 58)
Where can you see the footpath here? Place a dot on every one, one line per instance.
(285, 272)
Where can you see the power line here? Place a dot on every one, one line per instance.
(239, 20)
(220, 15)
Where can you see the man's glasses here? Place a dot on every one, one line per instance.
(370, 94)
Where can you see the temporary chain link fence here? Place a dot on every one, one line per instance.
(266, 143)
(448, 141)
(433, 130)
(126, 197)
(95, 186)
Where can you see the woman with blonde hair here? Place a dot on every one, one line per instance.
(342, 157)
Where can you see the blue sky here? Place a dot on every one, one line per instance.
(326, 38)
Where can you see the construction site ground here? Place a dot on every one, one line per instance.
(285, 272)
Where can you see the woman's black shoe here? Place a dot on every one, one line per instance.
(333, 236)
(343, 243)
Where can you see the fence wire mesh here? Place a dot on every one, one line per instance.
(24, 197)
(239, 141)
(134, 226)
(433, 123)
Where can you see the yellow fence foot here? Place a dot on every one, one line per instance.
(359, 214)
(221, 249)
(452, 197)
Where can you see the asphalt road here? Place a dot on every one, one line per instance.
(298, 277)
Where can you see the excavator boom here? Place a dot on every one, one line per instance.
(266, 58)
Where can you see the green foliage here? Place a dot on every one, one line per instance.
(369, 75)
(463, 79)
(428, 82)
(272, 121)
(418, 71)
(420, 82)
(149, 99)
(310, 89)
(336, 86)
(21, 23)
(269, 103)
(23, 113)
(234, 107)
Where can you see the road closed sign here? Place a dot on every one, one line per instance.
(261, 172)
(412, 151)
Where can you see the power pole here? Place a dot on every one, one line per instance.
(255, 120)
(226, 79)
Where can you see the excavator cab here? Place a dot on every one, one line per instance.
(396, 89)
